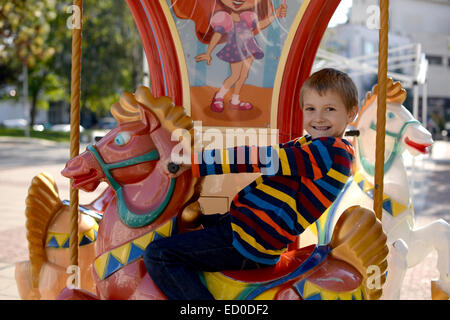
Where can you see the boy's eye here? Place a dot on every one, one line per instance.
(331, 109)
(122, 138)
(309, 109)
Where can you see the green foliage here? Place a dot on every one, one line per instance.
(47, 135)
(35, 33)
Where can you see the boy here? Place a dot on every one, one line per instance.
(300, 182)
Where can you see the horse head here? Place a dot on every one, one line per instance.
(132, 156)
(403, 131)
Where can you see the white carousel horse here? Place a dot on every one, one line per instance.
(408, 244)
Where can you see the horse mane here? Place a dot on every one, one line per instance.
(395, 95)
(170, 116)
(358, 239)
(42, 205)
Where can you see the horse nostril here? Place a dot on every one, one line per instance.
(173, 167)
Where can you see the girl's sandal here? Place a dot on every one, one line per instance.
(241, 106)
(217, 104)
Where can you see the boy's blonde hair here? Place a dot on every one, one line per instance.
(332, 79)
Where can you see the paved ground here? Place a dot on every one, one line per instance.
(21, 160)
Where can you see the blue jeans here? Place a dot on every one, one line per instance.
(174, 263)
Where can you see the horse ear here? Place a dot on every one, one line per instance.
(150, 119)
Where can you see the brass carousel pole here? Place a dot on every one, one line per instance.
(381, 111)
(75, 92)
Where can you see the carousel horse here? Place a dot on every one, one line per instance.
(409, 245)
(48, 230)
(149, 203)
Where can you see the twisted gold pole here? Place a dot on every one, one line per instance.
(75, 92)
(381, 111)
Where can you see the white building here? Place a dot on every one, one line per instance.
(424, 22)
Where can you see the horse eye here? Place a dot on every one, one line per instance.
(391, 115)
(122, 138)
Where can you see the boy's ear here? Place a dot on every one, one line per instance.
(352, 114)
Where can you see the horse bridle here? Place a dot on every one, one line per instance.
(128, 217)
(370, 168)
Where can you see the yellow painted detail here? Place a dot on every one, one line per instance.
(165, 230)
(100, 265)
(143, 241)
(121, 253)
(223, 288)
(268, 295)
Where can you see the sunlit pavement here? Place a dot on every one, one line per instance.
(22, 159)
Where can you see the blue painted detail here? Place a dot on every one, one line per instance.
(112, 266)
(66, 244)
(135, 253)
(319, 254)
(387, 205)
(53, 243)
(85, 240)
(316, 296)
(157, 236)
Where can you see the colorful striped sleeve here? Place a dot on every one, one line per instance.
(312, 160)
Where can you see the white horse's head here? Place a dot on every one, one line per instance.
(403, 131)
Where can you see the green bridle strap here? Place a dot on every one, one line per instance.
(369, 167)
(128, 217)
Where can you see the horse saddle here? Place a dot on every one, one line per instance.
(308, 273)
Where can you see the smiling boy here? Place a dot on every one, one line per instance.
(301, 180)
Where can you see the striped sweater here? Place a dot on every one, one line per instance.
(299, 180)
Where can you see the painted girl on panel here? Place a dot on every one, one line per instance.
(235, 22)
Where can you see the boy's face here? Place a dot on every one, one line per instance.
(325, 115)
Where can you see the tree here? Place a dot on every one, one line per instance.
(35, 34)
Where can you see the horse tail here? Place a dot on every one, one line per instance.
(42, 204)
(359, 240)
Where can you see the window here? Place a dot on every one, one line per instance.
(434, 60)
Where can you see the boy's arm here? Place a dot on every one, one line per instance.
(313, 160)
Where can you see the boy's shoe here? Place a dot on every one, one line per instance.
(241, 106)
(217, 104)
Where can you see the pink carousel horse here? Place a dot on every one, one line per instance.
(149, 204)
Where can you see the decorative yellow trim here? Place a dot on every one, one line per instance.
(222, 287)
(310, 289)
(180, 55)
(282, 63)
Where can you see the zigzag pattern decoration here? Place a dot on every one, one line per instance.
(393, 207)
(111, 261)
(311, 291)
(62, 240)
